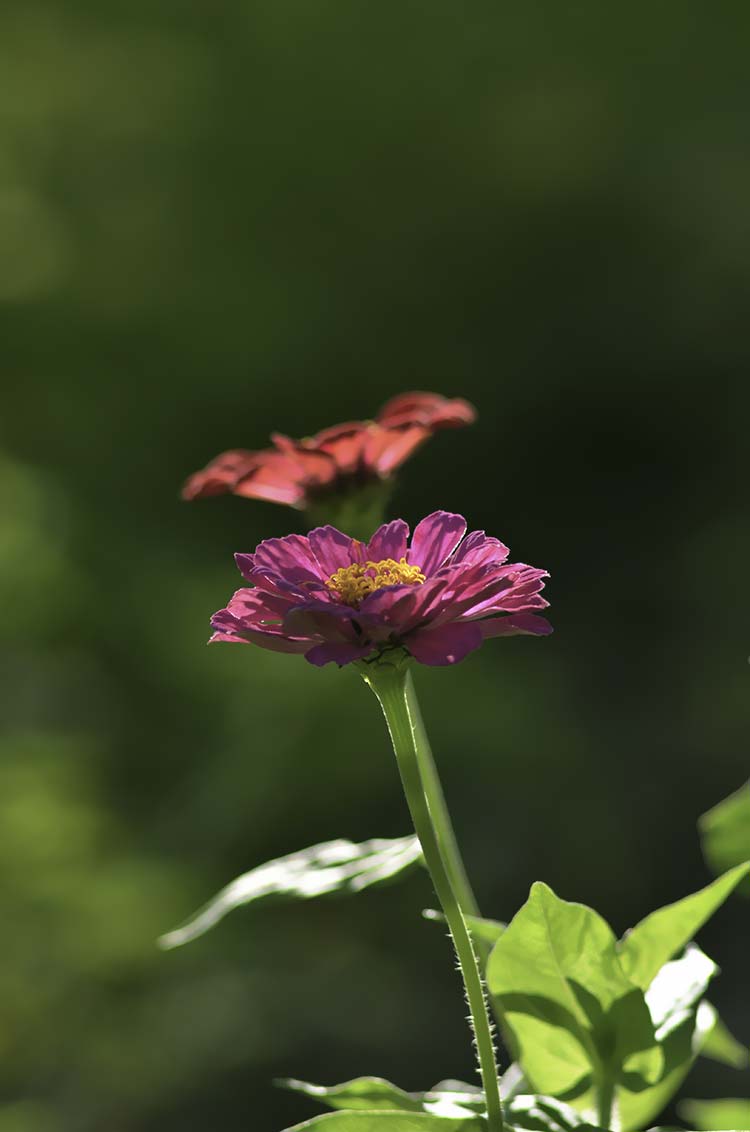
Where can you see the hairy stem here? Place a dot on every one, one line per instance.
(394, 688)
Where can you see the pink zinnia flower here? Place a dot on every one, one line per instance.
(334, 598)
(295, 472)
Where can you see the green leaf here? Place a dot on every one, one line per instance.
(677, 989)
(720, 1045)
(388, 1122)
(333, 868)
(654, 941)
(682, 1020)
(556, 977)
(580, 1023)
(489, 931)
(423, 1122)
(729, 1113)
(725, 833)
(543, 1114)
(448, 1100)
(370, 1093)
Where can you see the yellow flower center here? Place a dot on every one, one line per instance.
(353, 583)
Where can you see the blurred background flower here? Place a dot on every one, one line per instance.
(220, 221)
(344, 474)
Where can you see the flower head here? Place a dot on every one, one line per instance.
(333, 598)
(295, 472)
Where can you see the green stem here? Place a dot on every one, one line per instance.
(441, 818)
(392, 684)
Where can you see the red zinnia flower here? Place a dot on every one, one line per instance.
(348, 455)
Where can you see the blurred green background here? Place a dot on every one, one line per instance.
(221, 219)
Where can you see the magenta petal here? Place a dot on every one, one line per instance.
(229, 627)
(291, 557)
(245, 564)
(477, 549)
(341, 654)
(301, 590)
(323, 619)
(333, 549)
(522, 592)
(516, 625)
(434, 539)
(389, 541)
(446, 645)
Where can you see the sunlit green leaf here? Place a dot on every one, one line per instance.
(333, 868)
(725, 833)
(654, 941)
(388, 1122)
(556, 977)
(720, 1045)
(677, 988)
(682, 1022)
(369, 1093)
(580, 1022)
(424, 1122)
(729, 1113)
(447, 1100)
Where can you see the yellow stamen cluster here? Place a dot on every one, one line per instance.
(353, 583)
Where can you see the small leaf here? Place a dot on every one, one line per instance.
(719, 1044)
(729, 1113)
(370, 1093)
(488, 931)
(654, 941)
(725, 833)
(682, 1022)
(333, 868)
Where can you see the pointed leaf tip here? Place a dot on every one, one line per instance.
(725, 833)
(660, 936)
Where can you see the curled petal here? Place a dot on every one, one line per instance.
(389, 541)
(257, 608)
(290, 557)
(430, 409)
(388, 448)
(332, 550)
(234, 629)
(434, 540)
(477, 549)
(521, 592)
(245, 564)
(221, 474)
